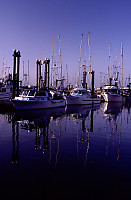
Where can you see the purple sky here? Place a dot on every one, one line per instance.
(28, 26)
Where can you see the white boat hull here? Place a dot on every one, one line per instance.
(72, 100)
(28, 105)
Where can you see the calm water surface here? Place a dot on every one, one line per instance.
(79, 152)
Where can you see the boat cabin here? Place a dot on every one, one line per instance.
(80, 91)
(111, 89)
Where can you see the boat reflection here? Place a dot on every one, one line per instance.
(113, 114)
(49, 125)
(112, 109)
(33, 120)
(53, 127)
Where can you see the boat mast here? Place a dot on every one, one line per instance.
(122, 61)
(23, 73)
(80, 60)
(28, 74)
(52, 62)
(109, 68)
(67, 75)
(89, 55)
(60, 58)
(3, 69)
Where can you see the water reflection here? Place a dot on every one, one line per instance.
(85, 146)
(47, 127)
(113, 114)
(83, 117)
(15, 142)
(112, 109)
(34, 120)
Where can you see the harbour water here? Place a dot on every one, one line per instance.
(75, 152)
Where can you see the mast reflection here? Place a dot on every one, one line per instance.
(15, 141)
(83, 116)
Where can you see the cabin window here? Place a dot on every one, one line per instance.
(25, 92)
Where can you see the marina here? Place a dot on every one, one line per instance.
(82, 151)
(61, 142)
(65, 100)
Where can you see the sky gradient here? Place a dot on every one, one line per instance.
(29, 25)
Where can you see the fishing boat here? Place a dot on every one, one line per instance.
(80, 96)
(33, 99)
(111, 93)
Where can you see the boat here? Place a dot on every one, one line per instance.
(111, 93)
(42, 99)
(80, 96)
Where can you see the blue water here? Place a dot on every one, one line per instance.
(75, 152)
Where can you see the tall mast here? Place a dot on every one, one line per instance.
(60, 58)
(109, 68)
(80, 60)
(3, 69)
(89, 51)
(122, 61)
(67, 75)
(89, 55)
(23, 73)
(52, 62)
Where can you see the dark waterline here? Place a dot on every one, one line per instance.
(78, 152)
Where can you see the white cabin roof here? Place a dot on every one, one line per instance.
(79, 89)
(110, 87)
